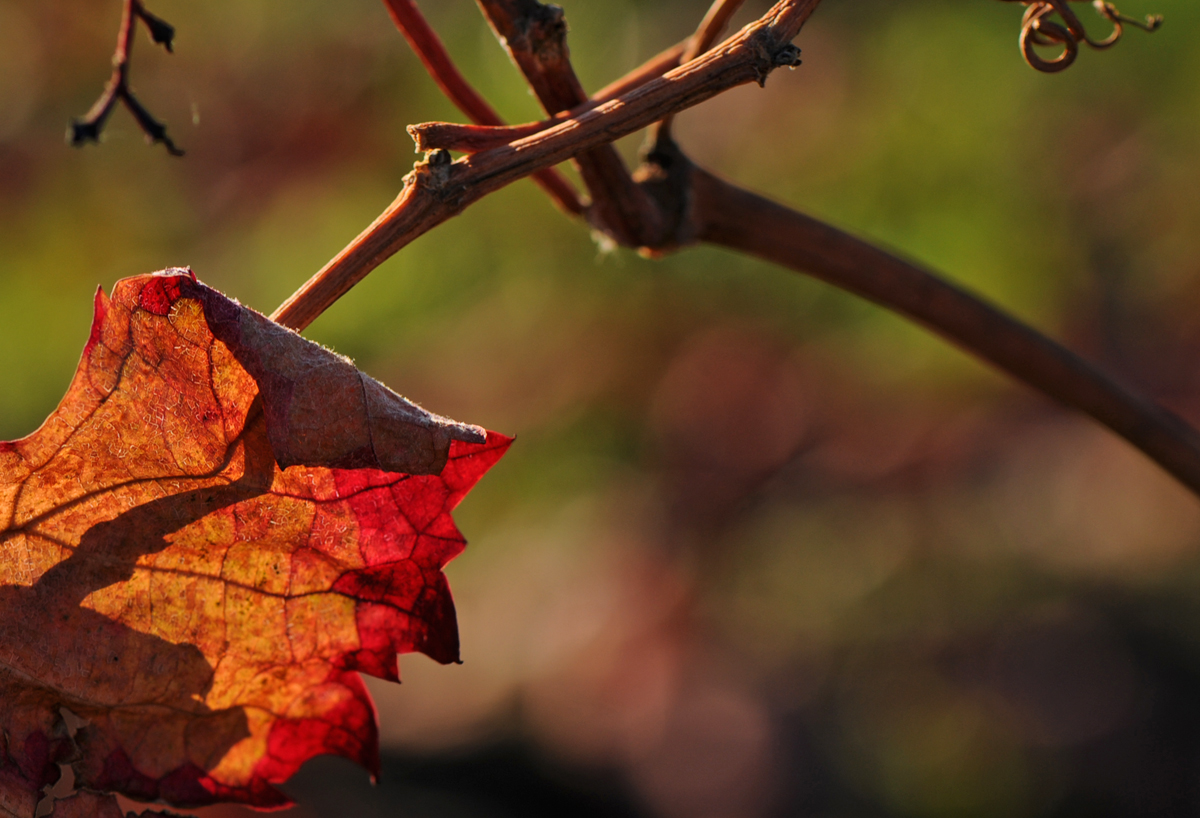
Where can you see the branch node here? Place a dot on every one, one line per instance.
(82, 131)
(665, 175)
(543, 28)
(431, 173)
(89, 127)
(762, 64)
(162, 32)
(789, 55)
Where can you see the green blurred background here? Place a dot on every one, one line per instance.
(760, 548)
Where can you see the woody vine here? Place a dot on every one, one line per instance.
(669, 202)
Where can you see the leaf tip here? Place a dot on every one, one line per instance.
(468, 433)
(99, 312)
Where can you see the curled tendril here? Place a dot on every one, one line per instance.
(1038, 29)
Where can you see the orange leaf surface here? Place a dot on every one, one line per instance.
(220, 525)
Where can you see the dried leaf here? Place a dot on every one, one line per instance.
(217, 528)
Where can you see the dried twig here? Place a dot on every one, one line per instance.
(437, 190)
(89, 127)
(475, 138)
(453, 136)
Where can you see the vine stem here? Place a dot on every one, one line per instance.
(438, 189)
(713, 210)
(473, 138)
(476, 138)
(732, 217)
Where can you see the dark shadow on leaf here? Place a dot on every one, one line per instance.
(130, 686)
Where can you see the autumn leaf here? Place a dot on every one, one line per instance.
(220, 525)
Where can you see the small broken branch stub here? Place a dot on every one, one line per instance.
(89, 127)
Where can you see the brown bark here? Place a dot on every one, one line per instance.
(436, 191)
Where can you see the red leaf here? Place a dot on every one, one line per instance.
(217, 528)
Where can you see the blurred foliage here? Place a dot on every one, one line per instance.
(760, 548)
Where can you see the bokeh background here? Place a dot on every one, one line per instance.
(760, 549)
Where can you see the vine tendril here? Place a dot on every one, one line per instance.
(1038, 29)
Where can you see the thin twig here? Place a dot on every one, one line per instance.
(455, 136)
(732, 217)
(435, 192)
(432, 53)
(88, 128)
(710, 28)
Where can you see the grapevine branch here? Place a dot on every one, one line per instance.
(694, 205)
(475, 138)
(727, 215)
(88, 128)
(438, 189)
